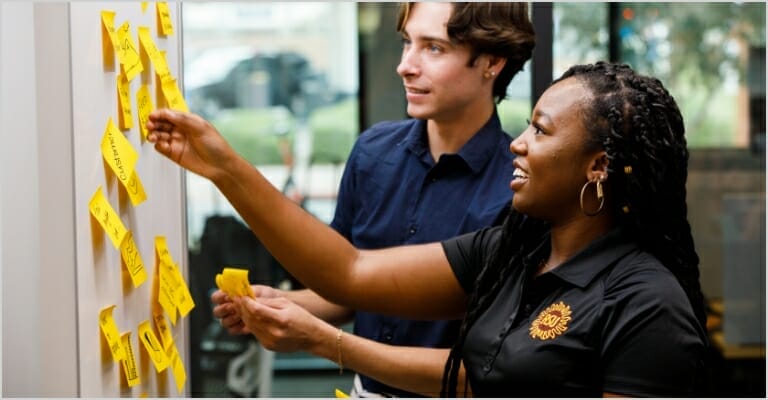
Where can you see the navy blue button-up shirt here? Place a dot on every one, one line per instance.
(393, 193)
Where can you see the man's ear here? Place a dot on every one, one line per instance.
(495, 64)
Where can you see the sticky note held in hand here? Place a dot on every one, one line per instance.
(234, 282)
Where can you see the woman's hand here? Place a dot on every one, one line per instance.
(190, 141)
(229, 315)
(280, 324)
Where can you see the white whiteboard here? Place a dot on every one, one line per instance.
(101, 280)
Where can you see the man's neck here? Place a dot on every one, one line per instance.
(448, 136)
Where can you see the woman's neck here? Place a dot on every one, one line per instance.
(569, 239)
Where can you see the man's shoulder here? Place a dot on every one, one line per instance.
(385, 132)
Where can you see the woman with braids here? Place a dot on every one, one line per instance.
(589, 288)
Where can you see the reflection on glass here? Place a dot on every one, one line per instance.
(280, 82)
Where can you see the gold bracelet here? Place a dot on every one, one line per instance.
(338, 350)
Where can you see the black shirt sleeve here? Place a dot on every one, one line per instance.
(468, 253)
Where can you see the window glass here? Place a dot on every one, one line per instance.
(701, 51)
(580, 34)
(516, 108)
(280, 82)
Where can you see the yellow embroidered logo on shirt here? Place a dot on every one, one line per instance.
(552, 322)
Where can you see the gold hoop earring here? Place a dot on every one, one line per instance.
(600, 197)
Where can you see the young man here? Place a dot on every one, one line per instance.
(429, 178)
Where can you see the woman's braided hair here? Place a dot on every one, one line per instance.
(637, 122)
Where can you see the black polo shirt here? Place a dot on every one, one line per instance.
(610, 319)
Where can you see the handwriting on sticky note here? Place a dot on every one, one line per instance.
(153, 346)
(177, 365)
(167, 294)
(108, 37)
(173, 95)
(165, 331)
(129, 362)
(118, 152)
(111, 333)
(124, 114)
(145, 107)
(164, 24)
(127, 52)
(132, 260)
(103, 212)
(135, 189)
(156, 57)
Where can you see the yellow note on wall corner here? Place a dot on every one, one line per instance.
(164, 24)
(108, 38)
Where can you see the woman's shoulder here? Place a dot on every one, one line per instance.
(643, 277)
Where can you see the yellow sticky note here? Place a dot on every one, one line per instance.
(107, 217)
(108, 37)
(129, 362)
(234, 282)
(165, 331)
(173, 95)
(153, 346)
(156, 57)
(144, 106)
(164, 24)
(135, 189)
(127, 52)
(132, 259)
(124, 114)
(167, 294)
(177, 365)
(111, 333)
(161, 248)
(118, 153)
(184, 302)
(340, 394)
(144, 5)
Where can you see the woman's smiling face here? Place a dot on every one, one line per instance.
(552, 162)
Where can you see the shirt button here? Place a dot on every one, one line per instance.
(412, 230)
(388, 338)
(486, 368)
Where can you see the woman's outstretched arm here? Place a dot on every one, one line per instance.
(409, 281)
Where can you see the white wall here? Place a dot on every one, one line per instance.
(21, 262)
(38, 262)
(42, 343)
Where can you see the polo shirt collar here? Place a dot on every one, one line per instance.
(581, 269)
(475, 153)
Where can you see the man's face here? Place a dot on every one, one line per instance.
(438, 83)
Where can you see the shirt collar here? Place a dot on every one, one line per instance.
(581, 269)
(476, 152)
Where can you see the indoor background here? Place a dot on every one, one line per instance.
(291, 85)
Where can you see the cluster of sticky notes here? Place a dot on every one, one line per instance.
(234, 282)
(170, 294)
(121, 237)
